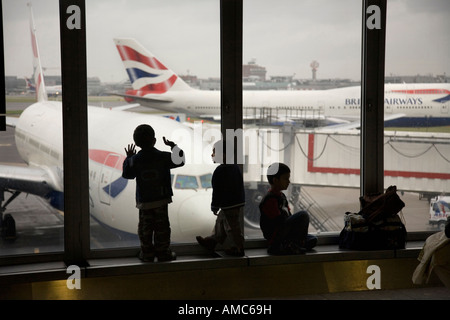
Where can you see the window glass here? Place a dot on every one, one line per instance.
(417, 150)
(31, 158)
(301, 73)
(186, 182)
(157, 63)
(205, 180)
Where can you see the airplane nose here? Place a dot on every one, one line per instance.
(195, 217)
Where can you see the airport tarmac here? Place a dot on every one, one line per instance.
(40, 227)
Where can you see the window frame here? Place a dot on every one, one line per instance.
(75, 132)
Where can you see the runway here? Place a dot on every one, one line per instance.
(40, 227)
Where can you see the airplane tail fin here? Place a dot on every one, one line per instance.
(147, 74)
(41, 93)
(30, 86)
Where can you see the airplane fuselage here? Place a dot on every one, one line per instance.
(112, 198)
(421, 104)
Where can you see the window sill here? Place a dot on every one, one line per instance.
(101, 267)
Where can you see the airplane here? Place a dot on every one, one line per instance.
(157, 86)
(53, 91)
(38, 136)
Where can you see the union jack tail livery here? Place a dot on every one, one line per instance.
(147, 74)
(30, 86)
(41, 93)
(157, 87)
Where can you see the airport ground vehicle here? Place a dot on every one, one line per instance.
(439, 211)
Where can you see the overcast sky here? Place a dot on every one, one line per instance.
(285, 36)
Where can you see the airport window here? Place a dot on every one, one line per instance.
(324, 168)
(33, 139)
(127, 61)
(416, 152)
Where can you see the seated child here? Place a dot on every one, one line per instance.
(286, 233)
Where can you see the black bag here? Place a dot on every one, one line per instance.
(377, 226)
(385, 234)
(378, 207)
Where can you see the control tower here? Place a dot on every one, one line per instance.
(314, 65)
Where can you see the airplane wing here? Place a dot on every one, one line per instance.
(25, 179)
(148, 100)
(357, 124)
(126, 107)
(245, 118)
(11, 121)
(155, 102)
(342, 126)
(393, 116)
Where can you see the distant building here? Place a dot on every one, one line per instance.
(252, 70)
(54, 80)
(440, 78)
(209, 84)
(282, 79)
(14, 85)
(94, 86)
(191, 80)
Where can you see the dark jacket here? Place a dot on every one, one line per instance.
(274, 209)
(151, 168)
(228, 187)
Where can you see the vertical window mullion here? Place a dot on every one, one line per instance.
(231, 68)
(75, 135)
(2, 79)
(372, 96)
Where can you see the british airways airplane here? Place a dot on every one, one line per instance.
(156, 86)
(52, 91)
(38, 136)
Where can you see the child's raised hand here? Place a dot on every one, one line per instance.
(131, 150)
(169, 143)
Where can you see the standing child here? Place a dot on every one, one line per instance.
(228, 200)
(151, 168)
(286, 233)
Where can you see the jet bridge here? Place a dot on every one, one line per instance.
(413, 161)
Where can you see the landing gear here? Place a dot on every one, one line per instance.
(7, 222)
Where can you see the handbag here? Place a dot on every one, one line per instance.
(377, 226)
(378, 207)
(385, 234)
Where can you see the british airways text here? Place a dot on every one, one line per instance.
(393, 101)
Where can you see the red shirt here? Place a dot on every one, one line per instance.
(271, 207)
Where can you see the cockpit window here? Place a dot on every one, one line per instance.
(186, 182)
(205, 180)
